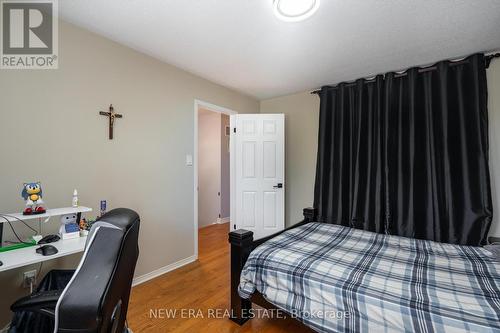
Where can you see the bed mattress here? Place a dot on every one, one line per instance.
(340, 279)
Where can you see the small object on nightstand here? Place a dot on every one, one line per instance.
(49, 239)
(69, 227)
(83, 224)
(47, 250)
(103, 207)
(32, 194)
(83, 227)
(74, 202)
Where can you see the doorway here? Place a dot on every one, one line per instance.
(211, 168)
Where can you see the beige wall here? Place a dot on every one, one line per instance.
(301, 114)
(209, 167)
(50, 131)
(301, 136)
(494, 130)
(225, 193)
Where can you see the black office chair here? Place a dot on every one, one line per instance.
(95, 299)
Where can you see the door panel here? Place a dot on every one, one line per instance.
(269, 159)
(259, 147)
(270, 220)
(248, 164)
(248, 205)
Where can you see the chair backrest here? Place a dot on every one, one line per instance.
(96, 298)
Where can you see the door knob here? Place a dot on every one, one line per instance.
(279, 185)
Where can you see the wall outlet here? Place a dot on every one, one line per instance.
(29, 279)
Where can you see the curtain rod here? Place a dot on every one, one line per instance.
(487, 59)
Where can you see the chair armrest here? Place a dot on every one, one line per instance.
(43, 302)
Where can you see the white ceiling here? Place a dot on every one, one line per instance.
(241, 45)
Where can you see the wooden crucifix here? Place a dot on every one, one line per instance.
(112, 115)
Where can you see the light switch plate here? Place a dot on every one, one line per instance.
(189, 160)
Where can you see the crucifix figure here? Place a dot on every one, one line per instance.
(112, 115)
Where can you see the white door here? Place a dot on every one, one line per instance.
(258, 173)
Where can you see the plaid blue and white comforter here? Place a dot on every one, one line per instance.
(339, 279)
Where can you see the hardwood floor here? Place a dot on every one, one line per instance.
(203, 287)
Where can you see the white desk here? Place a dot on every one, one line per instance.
(14, 217)
(27, 255)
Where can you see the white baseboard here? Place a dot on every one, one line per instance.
(222, 220)
(160, 271)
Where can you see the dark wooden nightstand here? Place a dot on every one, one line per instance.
(493, 240)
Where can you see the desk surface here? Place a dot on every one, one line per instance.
(27, 256)
(14, 217)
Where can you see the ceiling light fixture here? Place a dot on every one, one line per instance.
(294, 10)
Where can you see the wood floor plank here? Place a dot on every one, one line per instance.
(203, 287)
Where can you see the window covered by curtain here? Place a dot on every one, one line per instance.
(408, 154)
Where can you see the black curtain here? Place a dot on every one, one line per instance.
(408, 154)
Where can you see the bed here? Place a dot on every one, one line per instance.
(341, 279)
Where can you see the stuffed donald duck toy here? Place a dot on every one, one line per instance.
(32, 194)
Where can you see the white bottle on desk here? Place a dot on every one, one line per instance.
(75, 198)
